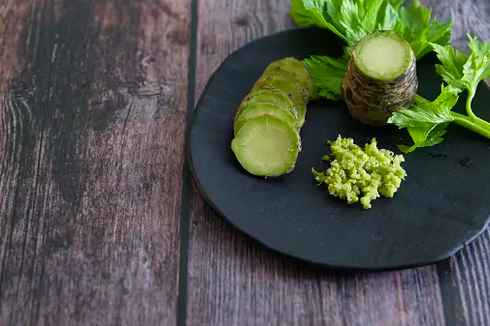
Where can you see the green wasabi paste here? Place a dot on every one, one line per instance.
(358, 174)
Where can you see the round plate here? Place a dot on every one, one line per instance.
(442, 206)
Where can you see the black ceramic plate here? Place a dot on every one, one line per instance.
(442, 206)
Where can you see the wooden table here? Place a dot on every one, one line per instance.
(100, 221)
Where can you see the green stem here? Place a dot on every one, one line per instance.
(477, 125)
(469, 111)
(419, 99)
(471, 95)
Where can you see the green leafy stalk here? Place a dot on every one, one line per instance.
(351, 20)
(480, 127)
(426, 121)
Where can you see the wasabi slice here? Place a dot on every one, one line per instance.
(293, 65)
(279, 81)
(267, 146)
(293, 69)
(273, 96)
(261, 108)
(292, 90)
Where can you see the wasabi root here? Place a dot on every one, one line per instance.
(380, 78)
(268, 120)
(361, 174)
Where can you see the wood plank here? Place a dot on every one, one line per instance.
(465, 284)
(92, 117)
(471, 276)
(234, 281)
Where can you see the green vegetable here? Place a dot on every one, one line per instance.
(361, 174)
(352, 20)
(293, 69)
(426, 121)
(267, 146)
(262, 108)
(268, 120)
(383, 56)
(327, 74)
(273, 96)
(295, 92)
(380, 78)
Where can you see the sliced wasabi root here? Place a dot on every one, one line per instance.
(273, 96)
(294, 66)
(267, 146)
(268, 120)
(380, 78)
(293, 69)
(297, 94)
(261, 108)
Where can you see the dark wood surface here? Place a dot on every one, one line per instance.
(92, 118)
(100, 222)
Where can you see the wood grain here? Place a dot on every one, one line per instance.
(465, 279)
(234, 281)
(471, 276)
(92, 117)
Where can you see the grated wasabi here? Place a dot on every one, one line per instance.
(361, 174)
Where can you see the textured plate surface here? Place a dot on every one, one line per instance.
(442, 206)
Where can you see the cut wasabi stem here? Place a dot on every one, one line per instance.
(261, 108)
(273, 96)
(267, 146)
(292, 90)
(380, 78)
